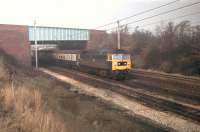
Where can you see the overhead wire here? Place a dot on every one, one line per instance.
(174, 18)
(140, 13)
(163, 13)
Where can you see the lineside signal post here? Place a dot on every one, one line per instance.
(118, 35)
(36, 48)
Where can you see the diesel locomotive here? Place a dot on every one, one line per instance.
(115, 64)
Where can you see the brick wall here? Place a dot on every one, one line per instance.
(97, 39)
(14, 41)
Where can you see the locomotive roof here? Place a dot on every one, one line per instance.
(68, 51)
(119, 51)
(107, 50)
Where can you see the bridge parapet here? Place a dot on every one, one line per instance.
(58, 34)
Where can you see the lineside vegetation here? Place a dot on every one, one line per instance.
(173, 48)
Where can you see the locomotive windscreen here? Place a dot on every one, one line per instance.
(121, 57)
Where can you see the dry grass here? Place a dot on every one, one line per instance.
(23, 112)
(22, 108)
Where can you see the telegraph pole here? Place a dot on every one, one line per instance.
(118, 35)
(36, 47)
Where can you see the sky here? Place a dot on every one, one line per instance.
(88, 14)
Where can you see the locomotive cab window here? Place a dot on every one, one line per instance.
(121, 57)
(126, 57)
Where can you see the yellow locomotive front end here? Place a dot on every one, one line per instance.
(120, 63)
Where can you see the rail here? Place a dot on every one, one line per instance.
(166, 76)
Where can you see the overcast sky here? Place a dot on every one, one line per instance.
(87, 13)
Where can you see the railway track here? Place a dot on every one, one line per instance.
(149, 100)
(194, 81)
(177, 87)
(166, 90)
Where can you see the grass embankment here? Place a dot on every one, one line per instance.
(22, 109)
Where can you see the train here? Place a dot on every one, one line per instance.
(113, 64)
